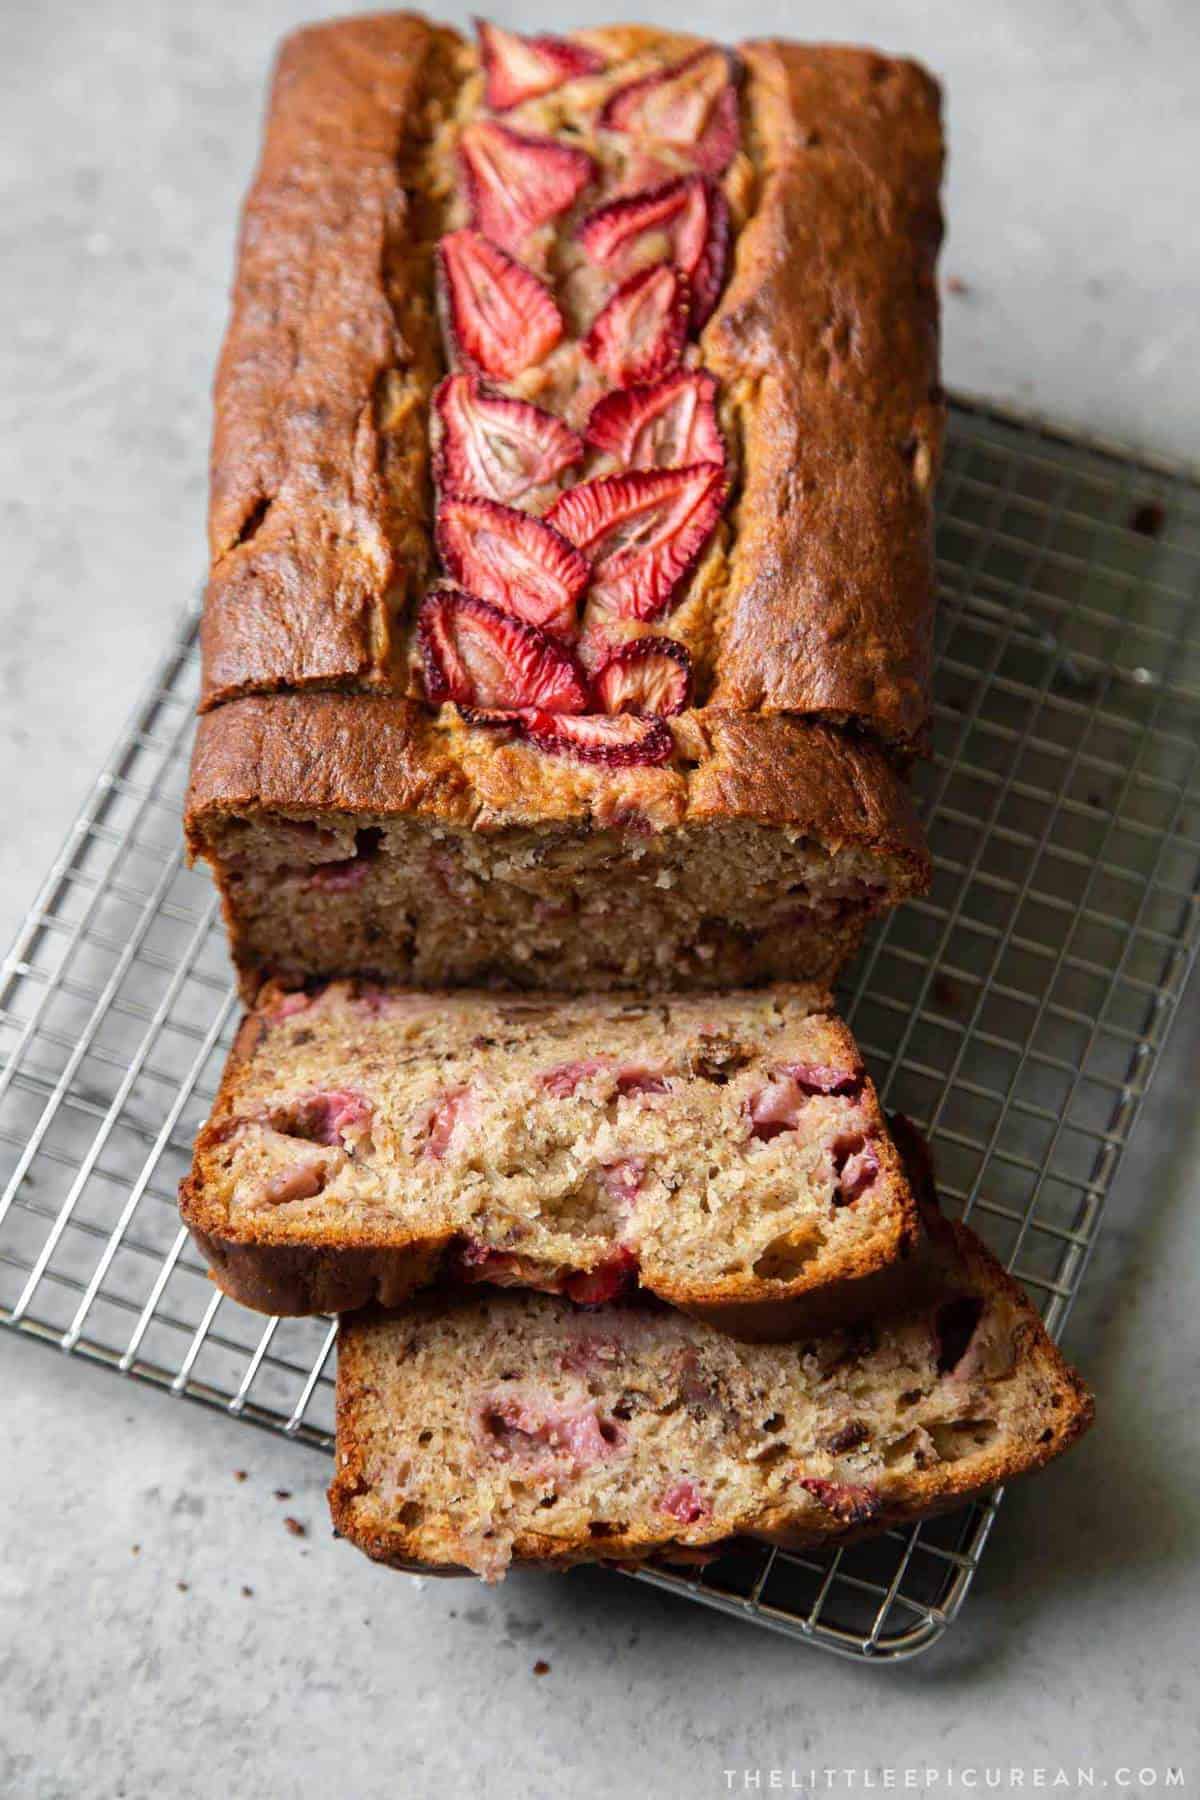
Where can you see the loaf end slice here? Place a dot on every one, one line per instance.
(515, 1429)
(725, 1152)
(352, 835)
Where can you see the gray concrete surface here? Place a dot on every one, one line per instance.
(127, 130)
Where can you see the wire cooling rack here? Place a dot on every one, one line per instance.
(1017, 1012)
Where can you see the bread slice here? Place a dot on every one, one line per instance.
(727, 1152)
(516, 1428)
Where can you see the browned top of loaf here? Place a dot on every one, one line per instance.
(825, 344)
(831, 316)
(377, 755)
(317, 510)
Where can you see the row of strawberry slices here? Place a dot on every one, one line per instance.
(500, 643)
(692, 105)
(666, 246)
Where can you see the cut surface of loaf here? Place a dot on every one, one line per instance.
(353, 834)
(724, 1150)
(516, 1428)
(703, 276)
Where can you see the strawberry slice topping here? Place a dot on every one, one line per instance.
(641, 333)
(501, 317)
(496, 447)
(642, 532)
(477, 655)
(520, 564)
(685, 222)
(693, 104)
(516, 182)
(521, 68)
(646, 675)
(620, 742)
(666, 426)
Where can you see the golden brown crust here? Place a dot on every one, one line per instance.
(826, 341)
(825, 345)
(295, 1281)
(378, 755)
(1068, 1406)
(317, 520)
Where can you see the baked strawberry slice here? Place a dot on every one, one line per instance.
(479, 656)
(646, 675)
(692, 105)
(495, 447)
(620, 742)
(664, 426)
(641, 333)
(500, 316)
(521, 565)
(520, 68)
(685, 222)
(642, 532)
(515, 181)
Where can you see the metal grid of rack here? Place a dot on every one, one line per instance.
(1017, 1012)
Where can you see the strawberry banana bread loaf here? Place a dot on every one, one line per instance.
(517, 1428)
(723, 1152)
(577, 423)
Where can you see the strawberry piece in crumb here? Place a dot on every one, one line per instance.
(351, 871)
(621, 742)
(822, 1078)
(622, 1180)
(634, 1079)
(640, 334)
(692, 105)
(501, 318)
(847, 1501)
(684, 222)
(497, 448)
(301, 1181)
(481, 657)
(336, 1116)
(516, 182)
(520, 68)
(643, 533)
(541, 1430)
(597, 1286)
(667, 425)
(562, 1081)
(685, 1501)
(646, 675)
(339, 877)
(775, 1108)
(288, 1005)
(476, 1261)
(855, 1164)
(456, 1109)
(519, 563)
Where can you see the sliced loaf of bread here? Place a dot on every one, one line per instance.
(517, 1428)
(725, 1152)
